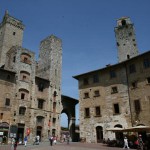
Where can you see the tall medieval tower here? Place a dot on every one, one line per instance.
(50, 67)
(126, 39)
(11, 33)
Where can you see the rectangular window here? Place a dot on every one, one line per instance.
(137, 106)
(22, 110)
(112, 74)
(114, 90)
(41, 87)
(146, 62)
(85, 81)
(116, 109)
(86, 95)
(97, 111)
(132, 68)
(40, 104)
(7, 102)
(54, 121)
(22, 95)
(95, 78)
(14, 59)
(1, 116)
(87, 112)
(96, 93)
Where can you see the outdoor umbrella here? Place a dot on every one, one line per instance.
(137, 129)
(115, 129)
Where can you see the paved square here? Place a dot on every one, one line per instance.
(63, 146)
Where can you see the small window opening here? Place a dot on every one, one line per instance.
(86, 95)
(118, 44)
(128, 56)
(123, 22)
(14, 59)
(14, 33)
(22, 95)
(7, 102)
(97, 111)
(55, 94)
(24, 77)
(116, 109)
(1, 116)
(87, 112)
(114, 90)
(25, 60)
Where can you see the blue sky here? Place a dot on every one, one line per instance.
(86, 28)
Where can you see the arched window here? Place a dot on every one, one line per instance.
(24, 94)
(24, 76)
(123, 22)
(55, 94)
(26, 58)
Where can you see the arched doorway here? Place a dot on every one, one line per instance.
(39, 127)
(99, 134)
(39, 131)
(119, 135)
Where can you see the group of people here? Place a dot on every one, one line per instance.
(139, 142)
(14, 141)
(52, 139)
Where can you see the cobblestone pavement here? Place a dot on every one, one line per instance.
(62, 146)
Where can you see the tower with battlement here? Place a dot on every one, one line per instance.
(11, 33)
(125, 39)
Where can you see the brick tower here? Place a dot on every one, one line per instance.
(126, 39)
(11, 33)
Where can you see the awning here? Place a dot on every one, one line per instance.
(116, 129)
(130, 129)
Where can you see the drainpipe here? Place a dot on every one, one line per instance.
(129, 94)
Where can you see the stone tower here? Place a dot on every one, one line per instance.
(11, 33)
(50, 67)
(126, 39)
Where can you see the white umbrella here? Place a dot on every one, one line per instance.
(137, 129)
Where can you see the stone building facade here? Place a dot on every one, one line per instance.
(30, 90)
(116, 95)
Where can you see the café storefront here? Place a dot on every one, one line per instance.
(4, 130)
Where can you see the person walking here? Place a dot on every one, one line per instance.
(140, 143)
(15, 144)
(51, 140)
(125, 143)
(25, 141)
(38, 139)
(68, 138)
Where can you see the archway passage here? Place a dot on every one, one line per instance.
(99, 134)
(69, 104)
